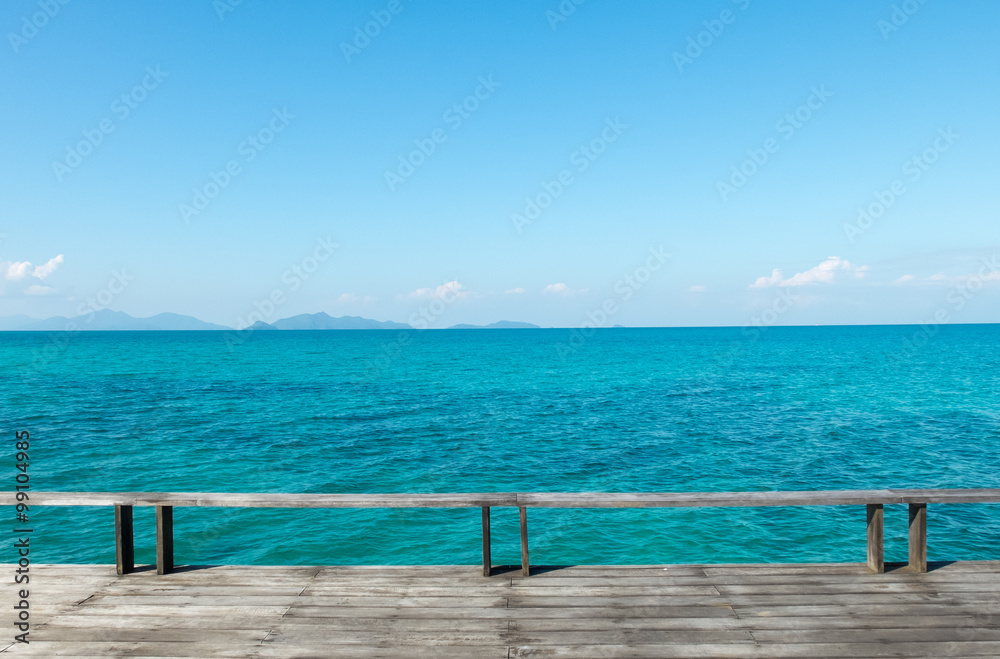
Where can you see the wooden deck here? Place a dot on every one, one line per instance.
(814, 610)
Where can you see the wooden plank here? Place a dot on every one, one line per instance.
(445, 590)
(387, 651)
(865, 634)
(161, 610)
(525, 570)
(232, 622)
(538, 499)
(866, 581)
(164, 539)
(918, 537)
(124, 540)
(629, 637)
(487, 558)
(859, 609)
(275, 500)
(629, 601)
(201, 649)
(590, 623)
(806, 610)
(704, 499)
(760, 569)
(964, 495)
(876, 545)
(493, 613)
(400, 636)
(769, 651)
(90, 633)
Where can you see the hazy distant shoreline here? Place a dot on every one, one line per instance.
(107, 320)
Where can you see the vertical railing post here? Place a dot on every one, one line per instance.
(524, 541)
(876, 542)
(124, 540)
(164, 539)
(487, 558)
(918, 537)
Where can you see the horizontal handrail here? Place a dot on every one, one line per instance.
(165, 502)
(519, 499)
(271, 500)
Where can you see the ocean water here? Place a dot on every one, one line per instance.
(717, 409)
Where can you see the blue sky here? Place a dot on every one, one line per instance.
(217, 156)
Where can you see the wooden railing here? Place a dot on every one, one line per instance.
(873, 500)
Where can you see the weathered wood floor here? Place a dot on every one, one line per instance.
(828, 610)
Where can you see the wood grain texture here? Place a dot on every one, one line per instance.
(524, 499)
(874, 500)
(704, 499)
(918, 537)
(806, 610)
(124, 540)
(525, 565)
(487, 550)
(164, 539)
(876, 540)
(274, 500)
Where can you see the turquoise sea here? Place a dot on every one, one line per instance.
(717, 409)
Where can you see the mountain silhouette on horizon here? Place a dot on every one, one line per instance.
(108, 320)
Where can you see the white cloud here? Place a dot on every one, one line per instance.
(938, 277)
(36, 289)
(904, 279)
(557, 289)
(697, 289)
(765, 282)
(351, 298)
(824, 273)
(514, 291)
(450, 289)
(44, 271)
(18, 270)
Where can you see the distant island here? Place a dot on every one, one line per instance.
(324, 321)
(107, 320)
(501, 324)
